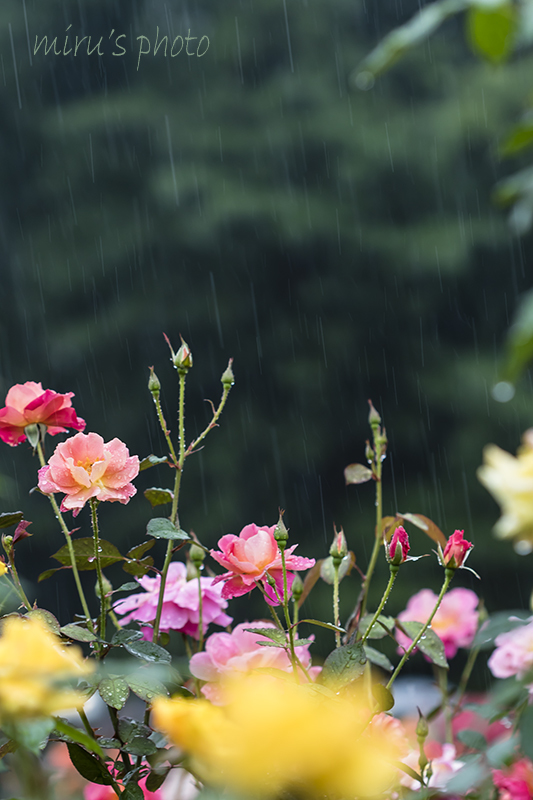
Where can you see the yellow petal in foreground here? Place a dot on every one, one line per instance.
(510, 481)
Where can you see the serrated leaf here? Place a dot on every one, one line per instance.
(327, 570)
(65, 729)
(427, 525)
(140, 567)
(151, 461)
(381, 627)
(109, 744)
(303, 642)
(501, 622)
(84, 552)
(132, 792)
(45, 617)
(357, 473)
(148, 651)
(273, 644)
(125, 635)
(77, 633)
(136, 737)
(139, 550)
(49, 572)
(271, 633)
(430, 644)
(383, 697)
(9, 518)
(328, 625)
(88, 766)
(342, 666)
(377, 658)
(162, 528)
(146, 687)
(491, 31)
(158, 497)
(114, 691)
(127, 587)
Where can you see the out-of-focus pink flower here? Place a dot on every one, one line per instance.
(470, 720)
(456, 550)
(97, 791)
(515, 782)
(85, 466)
(252, 556)
(28, 403)
(180, 603)
(443, 762)
(398, 548)
(238, 651)
(455, 622)
(513, 654)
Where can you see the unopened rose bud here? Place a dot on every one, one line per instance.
(456, 551)
(297, 587)
(339, 548)
(106, 585)
(193, 572)
(422, 727)
(281, 534)
(33, 434)
(373, 418)
(398, 547)
(154, 385)
(183, 358)
(7, 543)
(228, 378)
(369, 453)
(197, 555)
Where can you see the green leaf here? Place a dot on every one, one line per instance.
(156, 779)
(79, 634)
(45, 617)
(65, 729)
(114, 691)
(148, 651)
(32, 734)
(377, 658)
(500, 622)
(520, 137)
(127, 587)
(342, 666)
(303, 642)
(112, 744)
(84, 551)
(427, 525)
(125, 635)
(327, 570)
(49, 572)
(501, 752)
(430, 644)
(273, 644)
(519, 341)
(9, 518)
(468, 777)
(8, 747)
(136, 737)
(139, 550)
(525, 726)
(383, 697)
(380, 628)
(146, 687)
(328, 625)
(357, 473)
(162, 528)
(274, 634)
(491, 31)
(473, 739)
(88, 766)
(132, 792)
(151, 461)
(139, 567)
(158, 497)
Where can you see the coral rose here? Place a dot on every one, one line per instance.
(85, 466)
(29, 404)
(180, 603)
(251, 557)
(455, 622)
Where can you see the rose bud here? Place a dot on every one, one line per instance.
(398, 547)
(456, 551)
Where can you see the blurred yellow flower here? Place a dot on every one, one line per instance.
(3, 567)
(510, 480)
(275, 735)
(36, 670)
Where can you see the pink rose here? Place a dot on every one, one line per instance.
(455, 622)
(180, 603)
(399, 547)
(84, 466)
(251, 557)
(238, 651)
(515, 782)
(513, 654)
(456, 550)
(28, 403)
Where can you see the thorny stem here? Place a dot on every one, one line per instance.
(286, 610)
(336, 615)
(163, 424)
(386, 593)
(377, 540)
(448, 573)
(214, 420)
(70, 547)
(103, 600)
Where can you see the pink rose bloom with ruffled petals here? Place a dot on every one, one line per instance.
(513, 654)
(85, 466)
(515, 782)
(181, 603)
(455, 622)
(239, 651)
(250, 557)
(28, 404)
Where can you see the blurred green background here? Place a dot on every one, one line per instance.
(339, 244)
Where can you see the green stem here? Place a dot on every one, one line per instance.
(294, 657)
(442, 675)
(336, 615)
(86, 723)
(163, 424)
(16, 581)
(70, 547)
(469, 666)
(103, 600)
(392, 578)
(213, 422)
(377, 540)
(448, 573)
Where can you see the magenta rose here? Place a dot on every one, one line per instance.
(29, 404)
